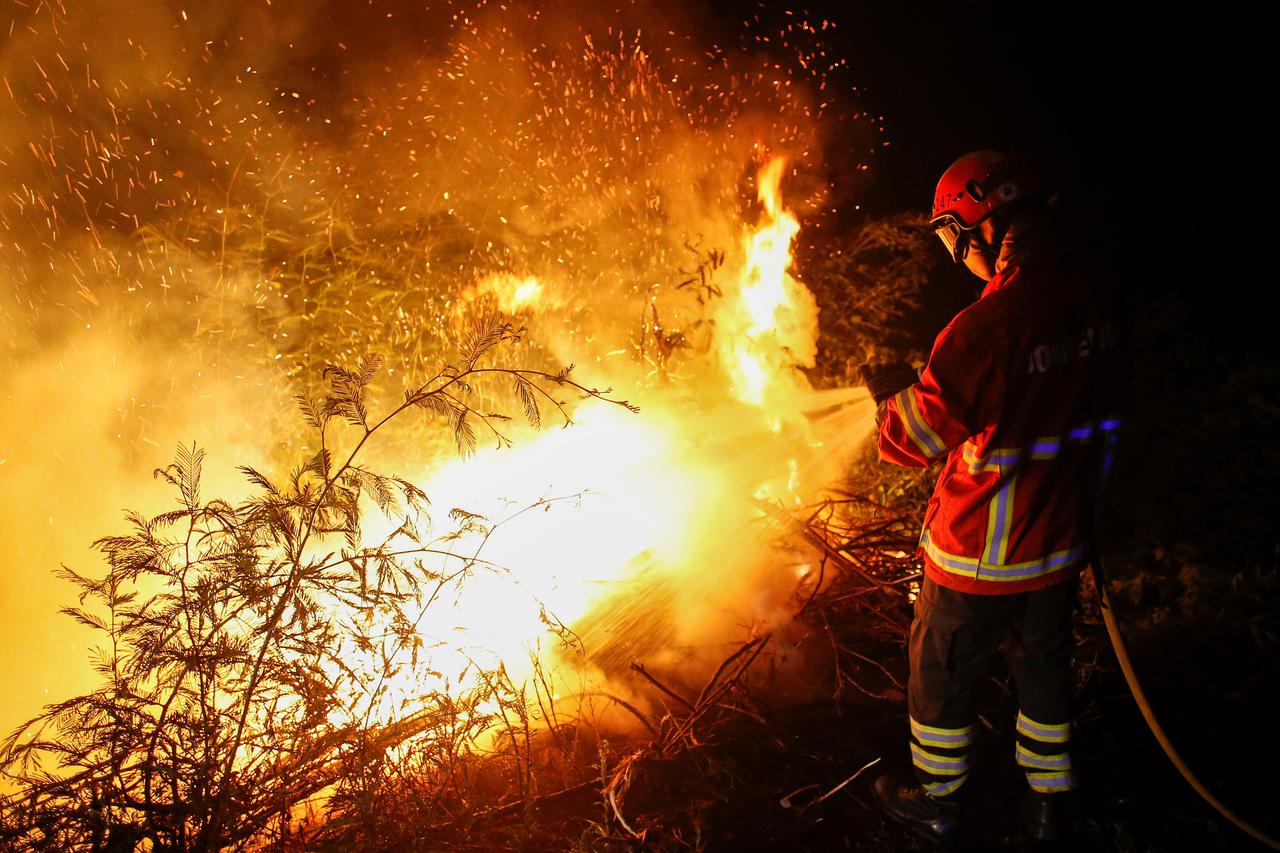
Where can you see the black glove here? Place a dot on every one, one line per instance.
(886, 380)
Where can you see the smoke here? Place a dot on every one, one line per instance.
(205, 204)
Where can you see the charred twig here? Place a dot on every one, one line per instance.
(638, 667)
(876, 664)
(715, 687)
(820, 542)
(755, 645)
(627, 706)
(786, 802)
(872, 763)
(617, 812)
(817, 585)
(513, 808)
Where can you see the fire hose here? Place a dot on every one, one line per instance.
(1139, 696)
(893, 378)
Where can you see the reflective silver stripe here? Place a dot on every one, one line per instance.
(1111, 426)
(1043, 732)
(998, 524)
(972, 567)
(1048, 783)
(992, 461)
(941, 789)
(990, 563)
(1045, 448)
(939, 736)
(940, 765)
(1027, 758)
(919, 431)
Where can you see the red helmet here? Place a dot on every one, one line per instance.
(974, 187)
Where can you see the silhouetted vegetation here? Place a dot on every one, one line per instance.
(247, 647)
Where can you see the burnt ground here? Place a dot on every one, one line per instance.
(728, 793)
(1210, 688)
(1192, 557)
(765, 773)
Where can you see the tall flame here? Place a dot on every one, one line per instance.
(522, 162)
(770, 327)
(655, 505)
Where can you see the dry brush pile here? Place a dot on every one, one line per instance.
(247, 648)
(228, 692)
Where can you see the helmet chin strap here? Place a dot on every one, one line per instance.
(991, 251)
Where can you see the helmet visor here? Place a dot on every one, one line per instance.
(955, 238)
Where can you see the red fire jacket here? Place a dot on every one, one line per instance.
(1022, 397)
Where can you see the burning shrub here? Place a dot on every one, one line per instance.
(250, 648)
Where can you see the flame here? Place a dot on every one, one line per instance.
(569, 514)
(514, 293)
(772, 324)
(314, 229)
(618, 502)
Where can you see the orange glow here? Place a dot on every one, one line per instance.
(570, 514)
(619, 501)
(193, 229)
(513, 293)
(772, 318)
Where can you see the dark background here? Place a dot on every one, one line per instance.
(1146, 115)
(1150, 117)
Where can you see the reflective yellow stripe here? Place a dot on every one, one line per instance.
(999, 522)
(988, 551)
(977, 464)
(1043, 732)
(992, 461)
(938, 765)
(1058, 761)
(917, 427)
(941, 789)
(1041, 449)
(1048, 783)
(1002, 547)
(970, 567)
(938, 736)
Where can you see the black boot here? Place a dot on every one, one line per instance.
(933, 818)
(1046, 818)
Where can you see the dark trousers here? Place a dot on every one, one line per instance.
(954, 638)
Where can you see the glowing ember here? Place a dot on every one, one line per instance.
(196, 227)
(513, 293)
(656, 507)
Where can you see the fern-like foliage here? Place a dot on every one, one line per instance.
(230, 632)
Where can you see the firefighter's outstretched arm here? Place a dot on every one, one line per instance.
(958, 396)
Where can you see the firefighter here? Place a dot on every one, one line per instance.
(1019, 403)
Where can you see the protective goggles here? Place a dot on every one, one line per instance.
(955, 238)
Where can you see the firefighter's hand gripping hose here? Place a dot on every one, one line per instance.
(1126, 666)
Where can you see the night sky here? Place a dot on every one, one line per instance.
(1076, 84)
(1144, 115)
(1134, 107)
